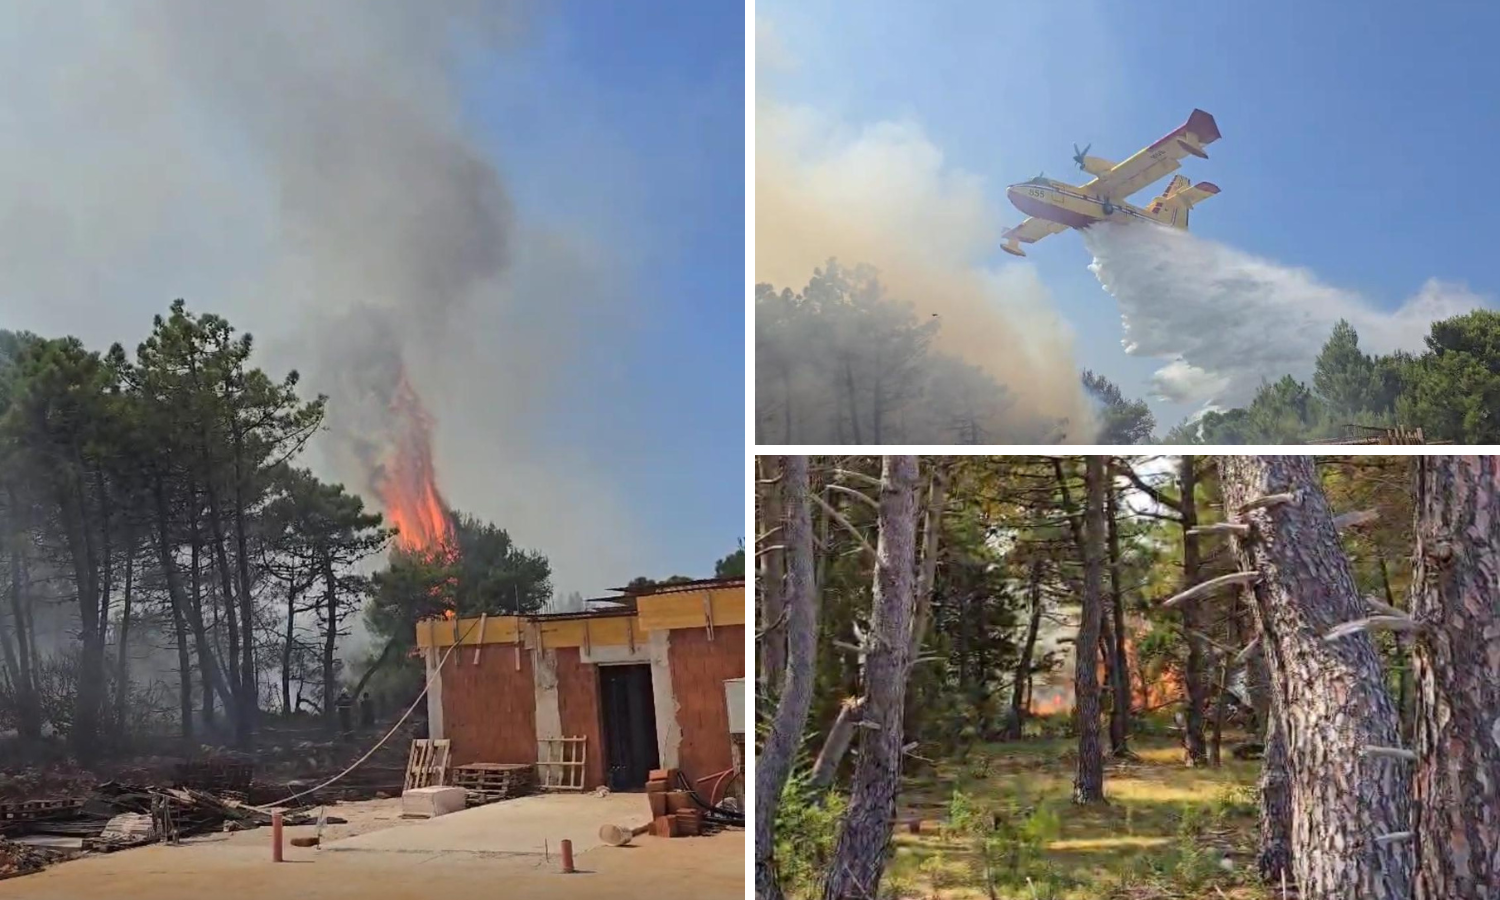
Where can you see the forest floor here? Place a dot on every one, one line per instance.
(1168, 831)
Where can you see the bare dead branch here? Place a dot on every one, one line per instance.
(852, 475)
(874, 504)
(1233, 528)
(847, 525)
(1250, 650)
(1384, 608)
(1211, 585)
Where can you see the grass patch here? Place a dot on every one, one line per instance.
(1001, 824)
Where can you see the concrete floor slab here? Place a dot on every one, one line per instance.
(525, 825)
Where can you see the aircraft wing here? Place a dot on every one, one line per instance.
(1157, 160)
(1029, 232)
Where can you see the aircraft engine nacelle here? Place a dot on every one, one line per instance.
(1095, 165)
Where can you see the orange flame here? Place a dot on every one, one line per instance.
(407, 482)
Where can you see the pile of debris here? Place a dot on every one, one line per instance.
(678, 810)
(21, 859)
(115, 816)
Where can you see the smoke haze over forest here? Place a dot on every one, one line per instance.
(318, 175)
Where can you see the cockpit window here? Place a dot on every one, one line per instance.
(1039, 180)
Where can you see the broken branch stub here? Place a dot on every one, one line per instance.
(1234, 528)
(1389, 753)
(1355, 519)
(1403, 623)
(1268, 501)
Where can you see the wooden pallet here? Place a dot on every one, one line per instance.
(489, 782)
(560, 763)
(427, 763)
(27, 810)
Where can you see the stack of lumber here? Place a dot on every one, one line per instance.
(673, 812)
(489, 782)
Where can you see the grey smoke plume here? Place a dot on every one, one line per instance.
(306, 170)
(883, 195)
(1226, 320)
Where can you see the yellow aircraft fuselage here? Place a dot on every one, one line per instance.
(1068, 205)
(1054, 206)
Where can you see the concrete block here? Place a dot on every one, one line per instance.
(430, 802)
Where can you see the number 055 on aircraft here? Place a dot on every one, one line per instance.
(1054, 205)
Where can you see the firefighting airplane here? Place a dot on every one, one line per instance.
(1054, 206)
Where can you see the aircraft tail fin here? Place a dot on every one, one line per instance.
(1172, 207)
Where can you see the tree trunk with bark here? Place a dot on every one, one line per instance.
(774, 762)
(330, 641)
(122, 661)
(1275, 858)
(1456, 600)
(28, 710)
(1018, 700)
(250, 700)
(1194, 749)
(865, 834)
(192, 612)
(932, 530)
(1088, 781)
(1329, 694)
(1119, 659)
(772, 650)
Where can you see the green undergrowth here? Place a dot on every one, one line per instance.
(1000, 825)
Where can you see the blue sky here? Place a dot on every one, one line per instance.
(627, 121)
(1351, 132)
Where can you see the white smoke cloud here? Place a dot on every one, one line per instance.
(1227, 320)
(884, 195)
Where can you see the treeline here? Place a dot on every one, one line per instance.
(912, 609)
(1451, 390)
(843, 362)
(152, 514)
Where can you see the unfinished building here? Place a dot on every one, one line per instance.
(595, 698)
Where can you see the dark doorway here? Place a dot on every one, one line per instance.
(629, 726)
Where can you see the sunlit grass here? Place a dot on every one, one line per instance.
(1168, 831)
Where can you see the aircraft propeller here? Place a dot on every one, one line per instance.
(1078, 155)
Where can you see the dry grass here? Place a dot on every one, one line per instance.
(1168, 831)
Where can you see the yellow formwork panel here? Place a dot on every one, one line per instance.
(687, 609)
(655, 613)
(440, 632)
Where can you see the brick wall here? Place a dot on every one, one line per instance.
(489, 710)
(699, 669)
(578, 709)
